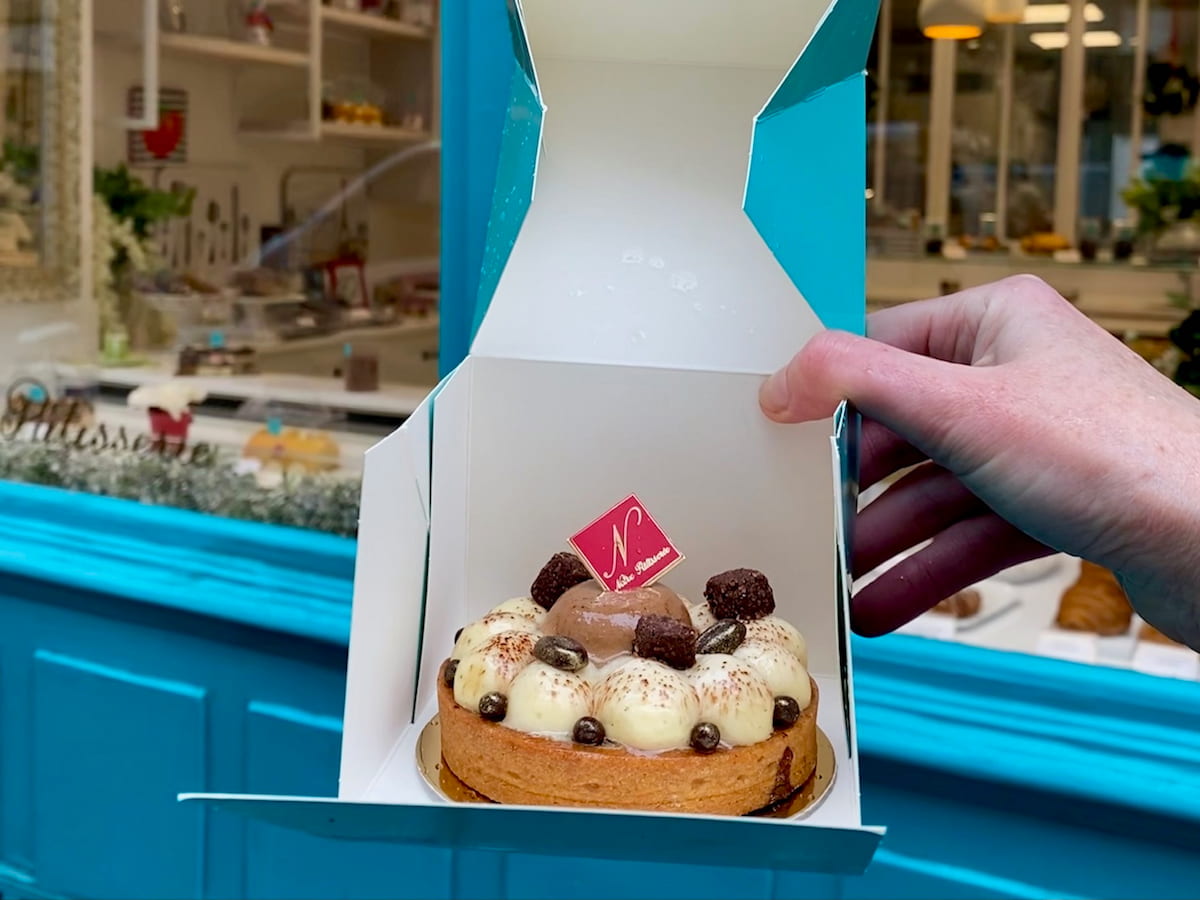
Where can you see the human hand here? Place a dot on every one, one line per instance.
(1035, 431)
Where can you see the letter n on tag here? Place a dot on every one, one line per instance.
(625, 549)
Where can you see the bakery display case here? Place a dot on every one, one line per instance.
(276, 168)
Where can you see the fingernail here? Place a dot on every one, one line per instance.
(773, 395)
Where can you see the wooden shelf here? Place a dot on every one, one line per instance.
(290, 131)
(234, 51)
(371, 134)
(345, 20)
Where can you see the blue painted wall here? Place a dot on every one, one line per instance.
(997, 775)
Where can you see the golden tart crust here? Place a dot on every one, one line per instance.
(510, 766)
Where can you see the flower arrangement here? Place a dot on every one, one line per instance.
(1160, 201)
(125, 212)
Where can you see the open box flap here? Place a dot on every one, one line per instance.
(597, 834)
(637, 247)
(392, 552)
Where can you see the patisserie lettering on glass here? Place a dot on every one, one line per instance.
(625, 549)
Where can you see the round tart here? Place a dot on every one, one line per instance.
(576, 696)
(510, 766)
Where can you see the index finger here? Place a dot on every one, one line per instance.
(944, 328)
(970, 326)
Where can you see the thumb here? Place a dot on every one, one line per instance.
(915, 396)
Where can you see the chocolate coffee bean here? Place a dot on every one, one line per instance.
(561, 652)
(742, 594)
(457, 635)
(448, 672)
(559, 575)
(723, 637)
(493, 706)
(787, 711)
(588, 731)
(666, 639)
(706, 737)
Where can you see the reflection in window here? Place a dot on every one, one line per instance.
(974, 137)
(1107, 115)
(908, 105)
(1033, 143)
(23, 83)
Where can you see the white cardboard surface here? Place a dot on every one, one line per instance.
(636, 248)
(388, 589)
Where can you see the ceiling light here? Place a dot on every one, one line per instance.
(1057, 40)
(1005, 12)
(954, 20)
(1058, 14)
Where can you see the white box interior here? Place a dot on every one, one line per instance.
(622, 353)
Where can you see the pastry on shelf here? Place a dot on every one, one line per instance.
(295, 451)
(963, 605)
(1095, 603)
(1152, 635)
(216, 361)
(1044, 243)
(579, 696)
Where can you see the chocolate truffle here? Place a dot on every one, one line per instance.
(742, 594)
(560, 574)
(666, 639)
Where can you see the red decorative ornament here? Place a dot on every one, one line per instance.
(163, 141)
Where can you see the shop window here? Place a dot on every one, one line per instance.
(905, 138)
(1107, 157)
(974, 135)
(1033, 141)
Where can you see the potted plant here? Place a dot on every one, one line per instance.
(1167, 209)
(124, 213)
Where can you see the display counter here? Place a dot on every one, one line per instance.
(149, 651)
(1120, 296)
(392, 402)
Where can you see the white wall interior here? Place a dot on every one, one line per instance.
(399, 210)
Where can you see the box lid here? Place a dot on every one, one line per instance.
(649, 244)
(601, 834)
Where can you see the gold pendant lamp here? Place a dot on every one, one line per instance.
(953, 20)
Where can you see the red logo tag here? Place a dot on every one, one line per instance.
(625, 549)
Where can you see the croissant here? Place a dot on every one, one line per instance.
(962, 605)
(1095, 603)
(1152, 635)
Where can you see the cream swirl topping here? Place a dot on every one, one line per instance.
(642, 703)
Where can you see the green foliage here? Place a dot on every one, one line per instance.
(132, 199)
(317, 503)
(1160, 202)
(23, 162)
